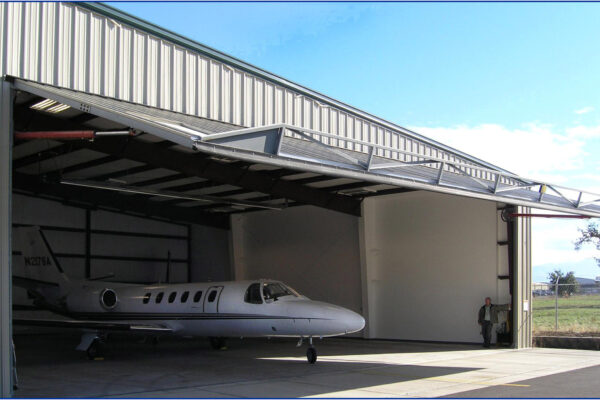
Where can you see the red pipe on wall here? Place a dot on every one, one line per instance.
(55, 135)
(83, 134)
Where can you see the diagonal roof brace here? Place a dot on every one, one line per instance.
(166, 193)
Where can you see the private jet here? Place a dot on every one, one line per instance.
(256, 308)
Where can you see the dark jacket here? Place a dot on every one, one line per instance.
(494, 310)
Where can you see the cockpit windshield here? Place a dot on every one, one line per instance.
(275, 290)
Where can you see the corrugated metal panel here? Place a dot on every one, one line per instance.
(522, 336)
(70, 46)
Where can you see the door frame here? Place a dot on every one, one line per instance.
(219, 290)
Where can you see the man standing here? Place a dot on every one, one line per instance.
(488, 316)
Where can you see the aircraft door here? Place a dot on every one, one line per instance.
(211, 299)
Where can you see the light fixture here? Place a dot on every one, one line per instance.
(51, 106)
(42, 105)
(58, 108)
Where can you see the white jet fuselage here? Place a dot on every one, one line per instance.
(234, 308)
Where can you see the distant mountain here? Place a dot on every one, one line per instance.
(584, 269)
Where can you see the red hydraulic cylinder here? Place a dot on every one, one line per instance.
(83, 134)
(55, 135)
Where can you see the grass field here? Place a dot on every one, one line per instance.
(577, 315)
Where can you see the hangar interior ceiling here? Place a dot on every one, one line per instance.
(156, 171)
(148, 162)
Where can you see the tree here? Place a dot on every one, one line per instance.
(589, 235)
(568, 279)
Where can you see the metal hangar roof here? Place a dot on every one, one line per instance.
(188, 168)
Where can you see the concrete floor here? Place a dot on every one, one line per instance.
(580, 383)
(49, 367)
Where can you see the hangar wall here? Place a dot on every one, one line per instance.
(380, 265)
(211, 254)
(429, 260)
(209, 246)
(312, 249)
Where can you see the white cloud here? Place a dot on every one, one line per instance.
(584, 110)
(553, 242)
(534, 151)
(583, 132)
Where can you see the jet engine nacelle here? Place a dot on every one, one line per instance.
(92, 299)
(108, 299)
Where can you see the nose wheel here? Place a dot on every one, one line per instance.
(311, 355)
(311, 352)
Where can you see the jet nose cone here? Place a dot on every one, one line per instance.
(354, 322)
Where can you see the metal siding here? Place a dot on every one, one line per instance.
(522, 284)
(69, 46)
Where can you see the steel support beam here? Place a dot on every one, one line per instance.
(204, 167)
(6, 140)
(137, 205)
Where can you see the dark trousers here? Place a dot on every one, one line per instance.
(486, 331)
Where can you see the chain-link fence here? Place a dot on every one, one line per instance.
(566, 309)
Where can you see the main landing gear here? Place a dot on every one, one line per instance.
(311, 352)
(93, 344)
(218, 343)
(96, 349)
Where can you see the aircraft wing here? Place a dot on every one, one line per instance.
(94, 325)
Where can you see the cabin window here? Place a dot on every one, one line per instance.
(184, 296)
(198, 296)
(172, 297)
(147, 298)
(253, 294)
(159, 297)
(212, 296)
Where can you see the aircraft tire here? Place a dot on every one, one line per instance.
(218, 343)
(311, 355)
(96, 349)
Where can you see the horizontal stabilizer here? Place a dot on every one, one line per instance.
(29, 283)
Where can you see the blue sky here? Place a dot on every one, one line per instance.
(515, 84)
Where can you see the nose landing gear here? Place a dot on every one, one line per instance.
(311, 352)
(311, 355)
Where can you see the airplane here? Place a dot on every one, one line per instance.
(251, 308)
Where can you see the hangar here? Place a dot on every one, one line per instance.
(135, 148)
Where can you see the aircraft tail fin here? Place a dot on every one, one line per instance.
(39, 262)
